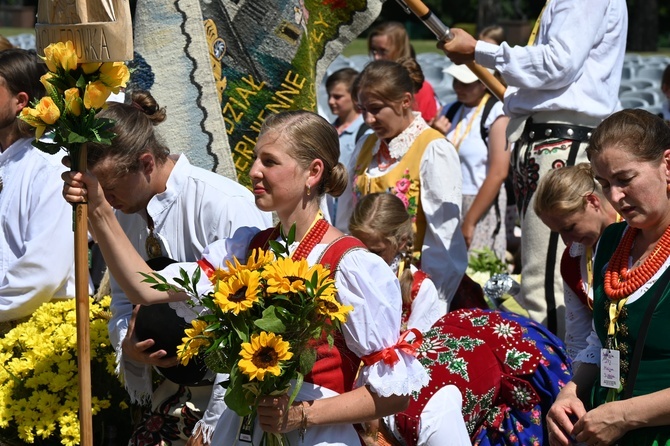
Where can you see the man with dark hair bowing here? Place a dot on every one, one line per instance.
(560, 86)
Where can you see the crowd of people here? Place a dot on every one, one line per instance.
(420, 185)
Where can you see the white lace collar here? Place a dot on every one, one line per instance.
(401, 143)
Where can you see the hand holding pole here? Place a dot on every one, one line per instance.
(444, 34)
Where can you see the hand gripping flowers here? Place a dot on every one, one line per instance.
(264, 320)
(75, 93)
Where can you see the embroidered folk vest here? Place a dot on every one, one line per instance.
(402, 180)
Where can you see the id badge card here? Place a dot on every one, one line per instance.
(246, 431)
(609, 368)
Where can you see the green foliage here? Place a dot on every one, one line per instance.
(485, 260)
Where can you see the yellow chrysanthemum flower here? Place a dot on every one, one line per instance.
(333, 309)
(239, 292)
(194, 339)
(286, 275)
(263, 355)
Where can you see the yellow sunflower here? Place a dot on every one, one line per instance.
(333, 309)
(263, 355)
(256, 260)
(286, 275)
(239, 292)
(194, 339)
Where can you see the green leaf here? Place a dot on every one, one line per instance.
(235, 395)
(49, 148)
(271, 321)
(307, 360)
(240, 326)
(299, 378)
(277, 248)
(291, 235)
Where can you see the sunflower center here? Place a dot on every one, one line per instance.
(239, 295)
(330, 306)
(265, 357)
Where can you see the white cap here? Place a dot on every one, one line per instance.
(463, 73)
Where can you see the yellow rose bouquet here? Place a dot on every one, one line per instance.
(39, 393)
(75, 93)
(263, 321)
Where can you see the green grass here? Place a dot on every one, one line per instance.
(14, 31)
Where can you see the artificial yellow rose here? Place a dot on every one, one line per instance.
(47, 110)
(73, 101)
(91, 67)
(45, 113)
(115, 75)
(96, 95)
(60, 54)
(48, 86)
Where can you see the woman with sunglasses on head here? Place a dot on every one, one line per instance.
(296, 162)
(570, 202)
(625, 399)
(406, 156)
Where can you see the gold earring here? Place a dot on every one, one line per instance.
(309, 190)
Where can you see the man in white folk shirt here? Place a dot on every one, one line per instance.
(560, 86)
(36, 240)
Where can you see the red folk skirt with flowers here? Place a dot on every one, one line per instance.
(508, 368)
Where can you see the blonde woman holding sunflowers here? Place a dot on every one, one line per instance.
(296, 163)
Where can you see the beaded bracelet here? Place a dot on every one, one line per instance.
(303, 422)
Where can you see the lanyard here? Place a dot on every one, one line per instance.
(536, 28)
(457, 138)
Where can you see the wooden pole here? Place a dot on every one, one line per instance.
(443, 34)
(83, 320)
(101, 31)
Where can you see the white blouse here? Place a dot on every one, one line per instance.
(363, 281)
(443, 254)
(578, 317)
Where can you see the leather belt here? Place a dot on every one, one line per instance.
(537, 132)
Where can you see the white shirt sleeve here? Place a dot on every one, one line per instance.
(427, 307)
(43, 234)
(366, 282)
(574, 27)
(443, 255)
(578, 320)
(591, 353)
(442, 421)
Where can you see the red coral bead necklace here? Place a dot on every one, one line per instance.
(621, 282)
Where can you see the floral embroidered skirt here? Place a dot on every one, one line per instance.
(508, 369)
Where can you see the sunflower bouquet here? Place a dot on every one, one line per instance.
(39, 393)
(263, 322)
(75, 93)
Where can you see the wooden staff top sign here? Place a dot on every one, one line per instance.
(101, 30)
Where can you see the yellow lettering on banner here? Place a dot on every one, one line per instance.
(288, 89)
(241, 164)
(296, 82)
(321, 21)
(316, 37)
(238, 103)
(258, 122)
(230, 109)
(250, 81)
(230, 125)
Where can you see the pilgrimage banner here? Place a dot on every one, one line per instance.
(221, 66)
